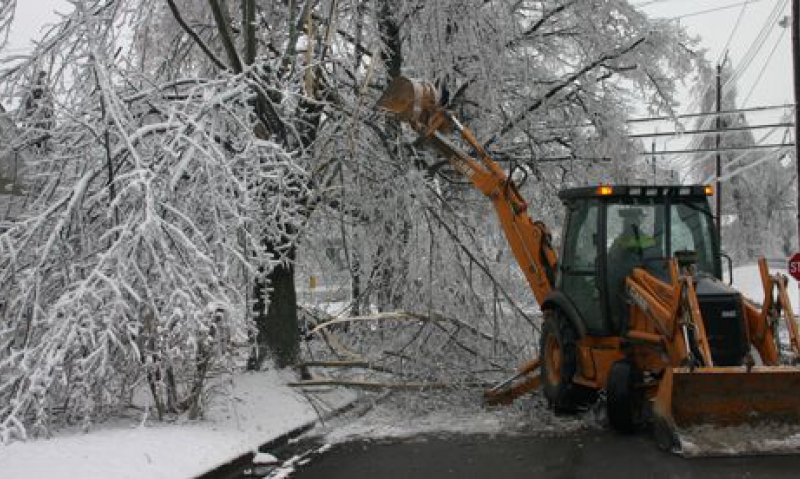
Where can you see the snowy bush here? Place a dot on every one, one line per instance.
(148, 206)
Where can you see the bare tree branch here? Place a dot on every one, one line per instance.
(370, 385)
(224, 27)
(249, 21)
(178, 18)
(564, 84)
(536, 26)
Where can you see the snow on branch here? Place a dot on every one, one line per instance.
(148, 206)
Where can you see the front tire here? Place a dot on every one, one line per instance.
(624, 399)
(558, 356)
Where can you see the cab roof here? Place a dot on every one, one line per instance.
(627, 191)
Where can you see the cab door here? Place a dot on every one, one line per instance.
(579, 266)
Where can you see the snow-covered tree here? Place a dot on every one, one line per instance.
(197, 151)
(547, 83)
(539, 80)
(172, 185)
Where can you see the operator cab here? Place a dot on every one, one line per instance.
(612, 229)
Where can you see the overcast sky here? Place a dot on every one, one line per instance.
(717, 27)
(30, 17)
(713, 21)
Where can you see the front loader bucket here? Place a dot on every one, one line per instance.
(722, 400)
(412, 101)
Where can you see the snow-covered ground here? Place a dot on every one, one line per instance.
(408, 416)
(747, 279)
(405, 415)
(261, 408)
(746, 439)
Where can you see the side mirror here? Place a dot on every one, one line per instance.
(730, 267)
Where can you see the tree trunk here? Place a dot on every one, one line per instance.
(277, 326)
(390, 32)
(390, 275)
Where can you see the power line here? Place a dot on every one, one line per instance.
(733, 31)
(713, 130)
(712, 114)
(653, 2)
(716, 150)
(770, 157)
(755, 47)
(712, 10)
(556, 159)
(645, 4)
(741, 157)
(752, 51)
(764, 67)
(736, 158)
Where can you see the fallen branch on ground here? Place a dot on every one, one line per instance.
(408, 316)
(380, 385)
(394, 315)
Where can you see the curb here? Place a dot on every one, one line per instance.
(230, 469)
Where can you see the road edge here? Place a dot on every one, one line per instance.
(231, 467)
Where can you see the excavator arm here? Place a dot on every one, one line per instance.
(415, 103)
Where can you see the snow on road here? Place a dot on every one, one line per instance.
(406, 415)
(262, 408)
(746, 439)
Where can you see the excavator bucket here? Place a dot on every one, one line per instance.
(723, 399)
(413, 102)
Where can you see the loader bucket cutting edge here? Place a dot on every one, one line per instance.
(723, 397)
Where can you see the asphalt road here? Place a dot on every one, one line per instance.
(591, 454)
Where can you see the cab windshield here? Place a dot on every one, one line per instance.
(645, 232)
(692, 228)
(641, 231)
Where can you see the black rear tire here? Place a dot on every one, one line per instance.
(562, 394)
(624, 399)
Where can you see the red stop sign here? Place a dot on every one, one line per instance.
(794, 266)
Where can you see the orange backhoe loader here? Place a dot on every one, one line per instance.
(634, 305)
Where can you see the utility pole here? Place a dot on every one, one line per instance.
(718, 185)
(794, 25)
(653, 149)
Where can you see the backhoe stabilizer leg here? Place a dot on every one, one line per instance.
(521, 383)
(777, 306)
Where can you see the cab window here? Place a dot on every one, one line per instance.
(691, 228)
(578, 279)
